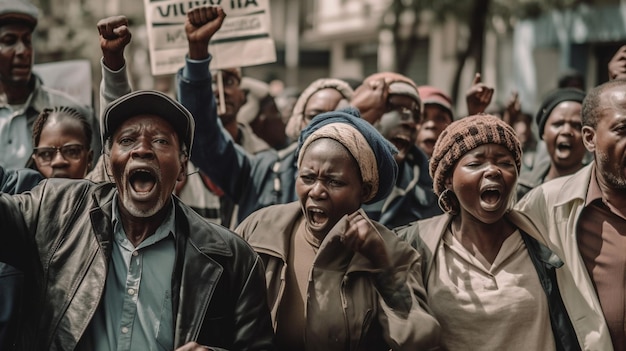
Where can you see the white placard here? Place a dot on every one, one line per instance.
(72, 77)
(243, 40)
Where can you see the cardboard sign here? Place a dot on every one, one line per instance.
(243, 40)
(72, 77)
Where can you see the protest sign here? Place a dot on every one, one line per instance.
(243, 40)
(72, 77)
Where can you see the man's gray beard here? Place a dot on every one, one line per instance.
(616, 182)
(139, 213)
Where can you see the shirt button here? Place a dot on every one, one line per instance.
(135, 253)
(124, 330)
(131, 291)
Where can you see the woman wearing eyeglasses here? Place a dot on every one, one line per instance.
(61, 139)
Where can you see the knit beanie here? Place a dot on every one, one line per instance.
(294, 124)
(466, 134)
(554, 98)
(398, 85)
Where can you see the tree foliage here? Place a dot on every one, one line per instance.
(476, 15)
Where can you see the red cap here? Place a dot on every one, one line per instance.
(432, 95)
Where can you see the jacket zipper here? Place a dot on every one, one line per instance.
(344, 304)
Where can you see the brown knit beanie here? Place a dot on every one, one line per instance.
(465, 135)
(294, 124)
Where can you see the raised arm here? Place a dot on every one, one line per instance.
(214, 152)
(617, 65)
(478, 96)
(114, 37)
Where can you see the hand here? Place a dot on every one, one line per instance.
(370, 98)
(114, 36)
(201, 24)
(617, 65)
(478, 97)
(513, 109)
(362, 237)
(193, 346)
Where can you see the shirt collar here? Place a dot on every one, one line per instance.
(35, 100)
(163, 231)
(593, 192)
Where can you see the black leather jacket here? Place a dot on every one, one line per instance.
(218, 285)
(11, 278)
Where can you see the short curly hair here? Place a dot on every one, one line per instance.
(591, 105)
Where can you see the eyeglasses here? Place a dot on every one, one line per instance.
(69, 152)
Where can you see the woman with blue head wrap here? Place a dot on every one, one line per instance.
(336, 279)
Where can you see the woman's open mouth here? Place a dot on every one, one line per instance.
(563, 149)
(317, 217)
(490, 198)
(401, 142)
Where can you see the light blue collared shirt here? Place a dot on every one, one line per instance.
(136, 311)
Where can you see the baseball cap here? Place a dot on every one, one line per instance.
(149, 102)
(20, 11)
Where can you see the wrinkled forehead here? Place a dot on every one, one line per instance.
(327, 148)
(613, 101)
(148, 122)
(402, 100)
(15, 27)
(615, 96)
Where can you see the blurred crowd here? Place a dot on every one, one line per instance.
(351, 215)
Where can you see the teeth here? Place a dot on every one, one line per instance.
(316, 210)
(402, 137)
(141, 170)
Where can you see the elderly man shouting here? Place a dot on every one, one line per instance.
(127, 266)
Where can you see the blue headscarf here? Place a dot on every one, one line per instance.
(382, 149)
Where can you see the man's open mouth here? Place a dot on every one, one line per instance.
(142, 181)
(402, 142)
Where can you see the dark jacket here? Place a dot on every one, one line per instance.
(252, 182)
(11, 278)
(18, 181)
(217, 286)
(425, 236)
(411, 199)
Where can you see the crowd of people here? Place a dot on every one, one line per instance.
(368, 216)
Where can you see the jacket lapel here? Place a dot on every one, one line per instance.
(278, 222)
(196, 274)
(101, 217)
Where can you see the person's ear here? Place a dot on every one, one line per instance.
(448, 182)
(89, 160)
(366, 190)
(183, 169)
(589, 138)
(33, 163)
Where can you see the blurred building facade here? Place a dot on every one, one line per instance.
(352, 39)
